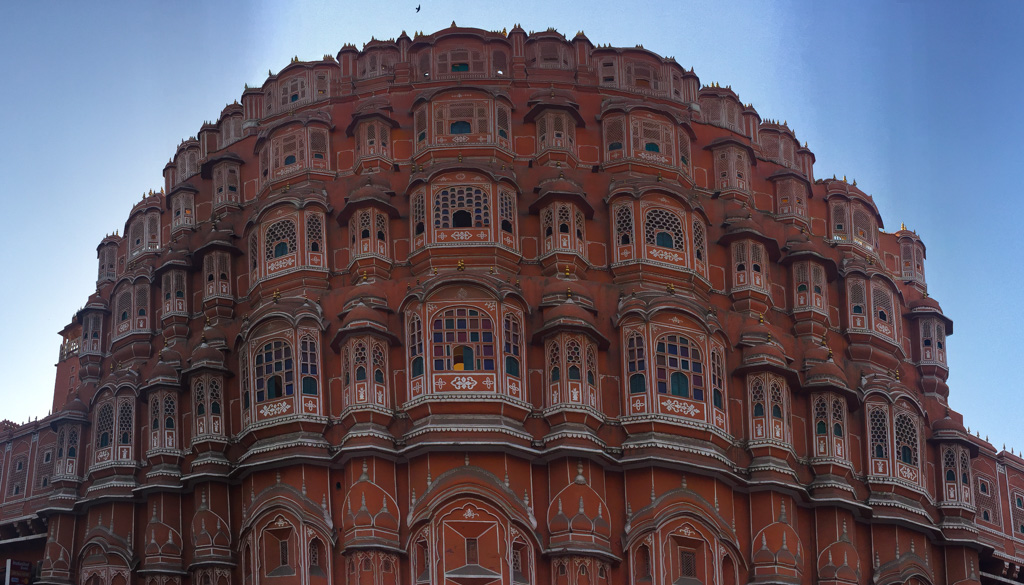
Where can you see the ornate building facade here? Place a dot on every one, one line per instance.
(479, 308)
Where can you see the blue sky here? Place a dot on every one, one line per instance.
(919, 101)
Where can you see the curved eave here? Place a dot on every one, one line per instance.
(570, 324)
(637, 191)
(179, 188)
(625, 106)
(91, 307)
(495, 173)
(952, 436)
(856, 196)
(430, 94)
(206, 169)
(732, 140)
(790, 256)
(173, 261)
(161, 383)
(218, 244)
(539, 106)
(378, 113)
(363, 327)
(351, 207)
(583, 549)
(209, 366)
(786, 173)
(550, 195)
(920, 312)
(273, 127)
(837, 385)
(296, 199)
(754, 366)
(68, 416)
(457, 31)
(749, 233)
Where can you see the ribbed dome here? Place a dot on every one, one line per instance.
(764, 352)
(163, 371)
(925, 302)
(370, 192)
(364, 315)
(826, 372)
(206, 355)
(948, 423)
(567, 311)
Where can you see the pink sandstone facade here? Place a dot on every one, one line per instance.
(479, 308)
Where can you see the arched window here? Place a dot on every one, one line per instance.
(769, 407)
(274, 371)
(360, 360)
(555, 129)
(465, 117)
(857, 302)
(614, 136)
(653, 136)
(554, 363)
(124, 307)
(879, 431)
(906, 438)
(72, 443)
(314, 232)
(512, 338)
(507, 210)
(864, 231)
(663, 228)
(881, 301)
(199, 391)
(183, 209)
(155, 414)
(840, 221)
(642, 566)
(458, 207)
(317, 564)
(624, 225)
(280, 239)
(838, 417)
(377, 357)
(636, 363)
(678, 367)
(104, 425)
(309, 365)
(418, 215)
(717, 380)
(699, 243)
(214, 396)
(292, 90)
(573, 361)
(170, 407)
(416, 345)
(125, 414)
(776, 396)
(731, 168)
(463, 339)
(591, 366)
(829, 426)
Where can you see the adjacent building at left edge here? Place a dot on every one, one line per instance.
(478, 308)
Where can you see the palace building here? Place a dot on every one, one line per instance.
(481, 308)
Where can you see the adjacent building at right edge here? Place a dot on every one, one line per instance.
(485, 308)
